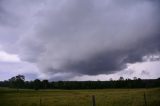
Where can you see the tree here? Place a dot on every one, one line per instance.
(121, 79)
(37, 84)
(17, 81)
(134, 78)
(110, 79)
(45, 84)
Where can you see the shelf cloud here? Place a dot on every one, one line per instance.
(80, 37)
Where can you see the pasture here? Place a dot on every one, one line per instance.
(104, 97)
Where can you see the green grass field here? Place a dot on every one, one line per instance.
(104, 97)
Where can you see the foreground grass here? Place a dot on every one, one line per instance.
(104, 97)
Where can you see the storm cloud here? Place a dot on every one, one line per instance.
(81, 37)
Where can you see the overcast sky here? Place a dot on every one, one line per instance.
(79, 39)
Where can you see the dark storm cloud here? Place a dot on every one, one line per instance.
(103, 63)
(87, 36)
(112, 61)
(6, 18)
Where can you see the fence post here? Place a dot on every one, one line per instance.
(145, 101)
(93, 101)
(40, 102)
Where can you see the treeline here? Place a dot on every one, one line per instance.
(20, 83)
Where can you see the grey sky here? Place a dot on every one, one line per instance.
(66, 39)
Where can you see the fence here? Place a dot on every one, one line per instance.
(94, 100)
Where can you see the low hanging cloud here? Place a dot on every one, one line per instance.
(83, 37)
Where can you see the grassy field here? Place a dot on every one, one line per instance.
(105, 97)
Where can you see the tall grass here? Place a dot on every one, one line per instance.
(104, 97)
